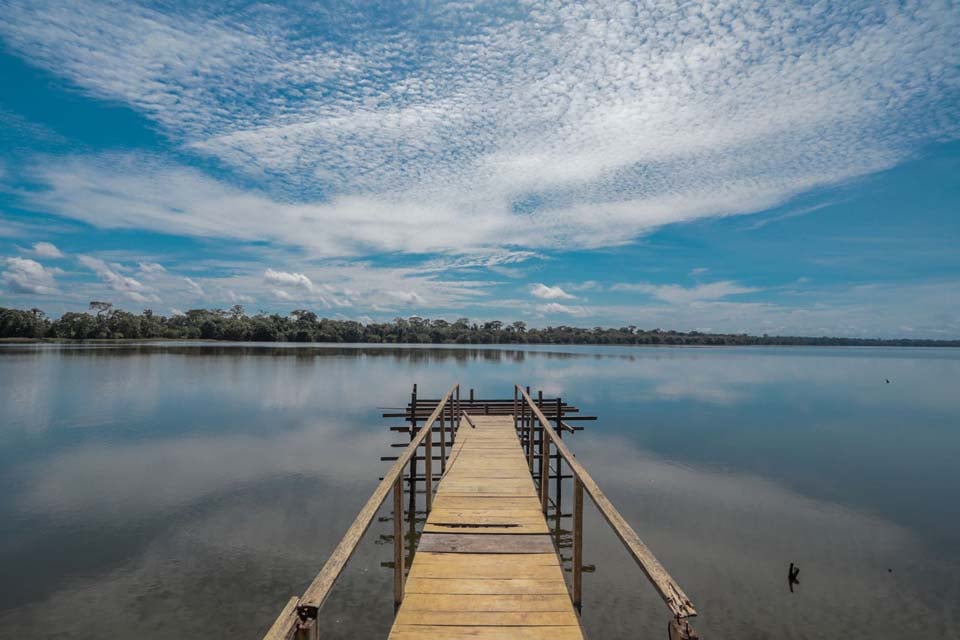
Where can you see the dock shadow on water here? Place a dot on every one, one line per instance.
(187, 490)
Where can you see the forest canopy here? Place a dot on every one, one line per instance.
(104, 322)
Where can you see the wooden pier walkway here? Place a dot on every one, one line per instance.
(487, 565)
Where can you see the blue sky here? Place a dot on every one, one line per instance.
(724, 166)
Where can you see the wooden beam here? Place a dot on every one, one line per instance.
(676, 600)
(319, 589)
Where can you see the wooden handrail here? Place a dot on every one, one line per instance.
(676, 600)
(315, 595)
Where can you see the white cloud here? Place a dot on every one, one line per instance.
(287, 279)
(612, 121)
(151, 268)
(239, 298)
(676, 294)
(23, 275)
(194, 287)
(47, 250)
(540, 290)
(553, 308)
(698, 271)
(124, 285)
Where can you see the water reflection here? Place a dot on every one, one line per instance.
(186, 489)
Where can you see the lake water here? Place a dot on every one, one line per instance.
(187, 490)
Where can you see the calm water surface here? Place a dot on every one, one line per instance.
(179, 491)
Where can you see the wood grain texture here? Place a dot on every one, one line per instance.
(486, 566)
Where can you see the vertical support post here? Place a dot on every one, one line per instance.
(528, 414)
(558, 490)
(515, 407)
(529, 431)
(398, 552)
(309, 630)
(458, 407)
(443, 439)
(544, 470)
(413, 458)
(471, 396)
(577, 542)
(540, 431)
(428, 467)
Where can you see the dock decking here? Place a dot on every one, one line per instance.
(486, 566)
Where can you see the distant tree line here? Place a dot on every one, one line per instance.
(104, 322)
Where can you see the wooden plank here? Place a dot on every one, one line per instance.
(318, 590)
(484, 516)
(418, 632)
(479, 543)
(473, 560)
(285, 624)
(505, 586)
(489, 529)
(485, 571)
(465, 602)
(488, 618)
(676, 600)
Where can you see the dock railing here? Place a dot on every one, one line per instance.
(299, 618)
(539, 436)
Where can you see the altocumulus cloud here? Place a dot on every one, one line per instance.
(613, 119)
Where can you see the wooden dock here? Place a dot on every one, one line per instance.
(487, 565)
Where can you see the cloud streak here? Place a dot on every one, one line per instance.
(558, 125)
(128, 287)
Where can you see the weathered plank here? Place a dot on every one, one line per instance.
(419, 632)
(677, 601)
(285, 623)
(504, 586)
(489, 618)
(481, 543)
(466, 602)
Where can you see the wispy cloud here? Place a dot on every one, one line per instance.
(545, 292)
(677, 294)
(23, 275)
(556, 308)
(552, 125)
(128, 287)
(151, 268)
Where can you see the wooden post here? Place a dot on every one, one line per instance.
(309, 630)
(544, 471)
(681, 630)
(559, 467)
(577, 542)
(514, 406)
(398, 552)
(443, 440)
(529, 421)
(428, 468)
(413, 459)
